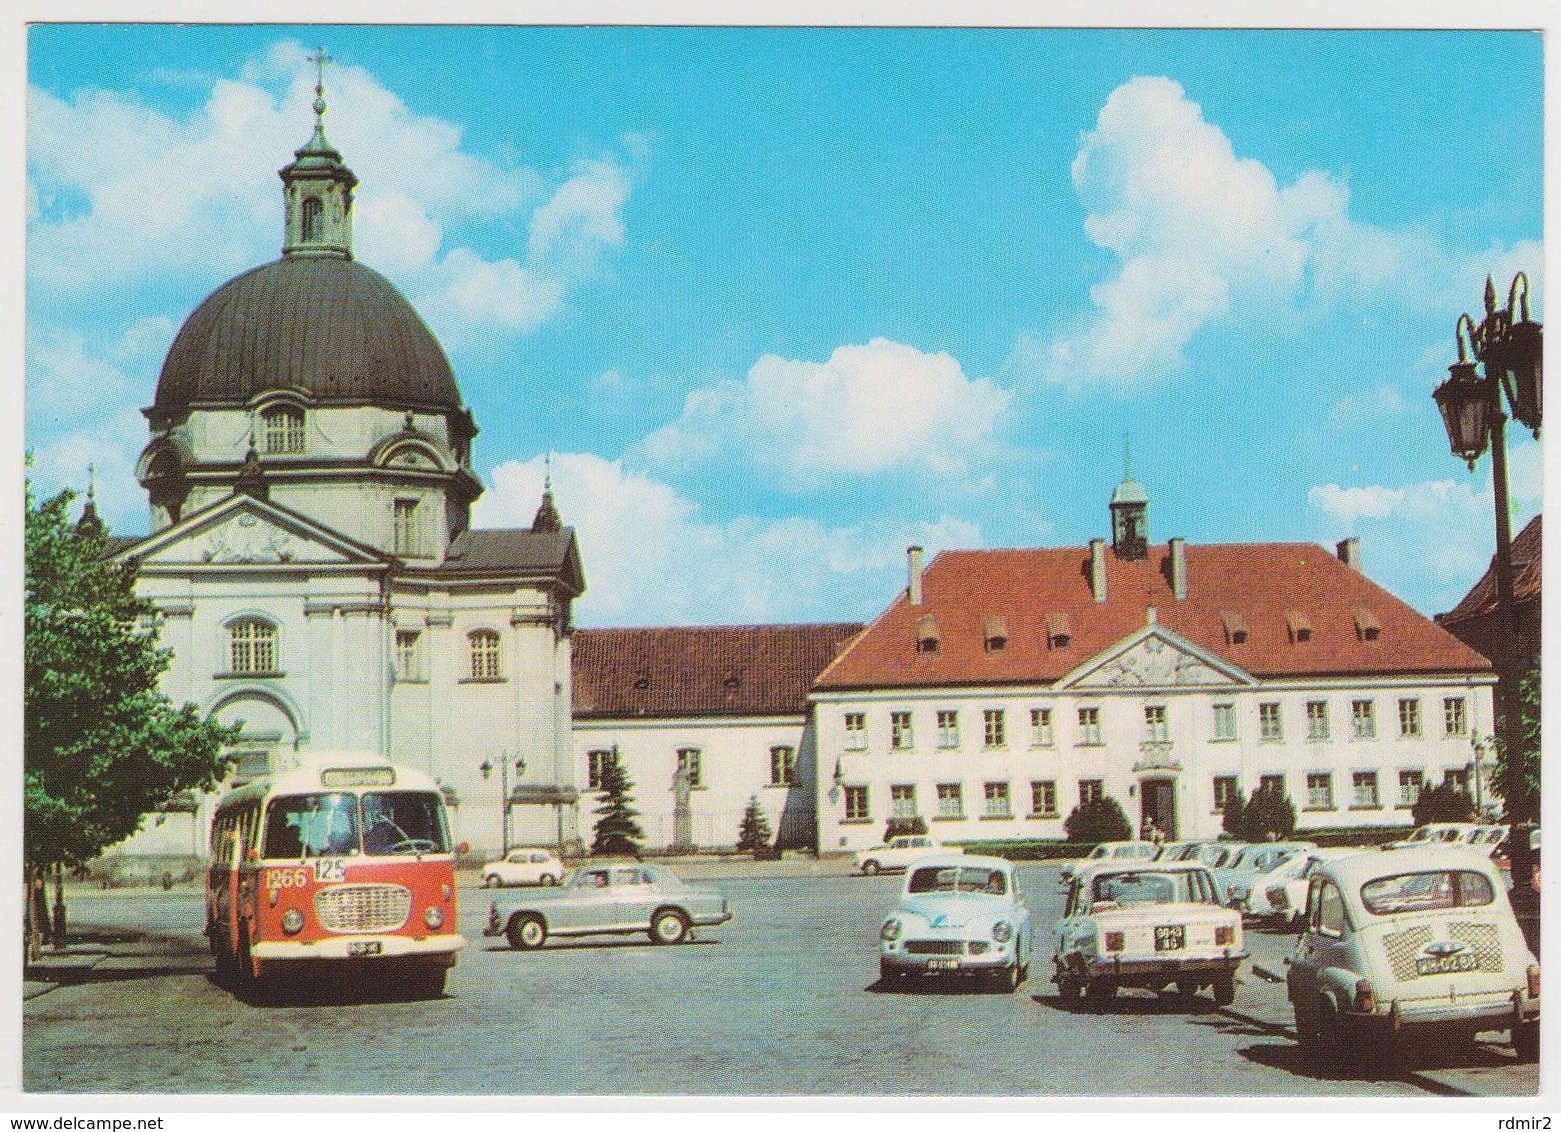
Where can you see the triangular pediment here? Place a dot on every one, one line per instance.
(1155, 657)
(245, 531)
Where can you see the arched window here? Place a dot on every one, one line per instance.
(312, 213)
(252, 646)
(485, 655)
(283, 429)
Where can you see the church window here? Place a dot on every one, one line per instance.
(284, 430)
(485, 655)
(596, 768)
(312, 226)
(252, 646)
(407, 529)
(409, 659)
(783, 766)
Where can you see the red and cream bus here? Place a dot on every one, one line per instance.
(344, 863)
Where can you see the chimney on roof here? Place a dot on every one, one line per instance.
(1349, 553)
(1179, 568)
(1097, 568)
(913, 564)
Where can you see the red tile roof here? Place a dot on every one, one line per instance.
(701, 670)
(1259, 586)
(1527, 551)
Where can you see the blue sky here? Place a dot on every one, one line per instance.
(782, 302)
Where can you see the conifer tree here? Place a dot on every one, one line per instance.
(753, 835)
(617, 833)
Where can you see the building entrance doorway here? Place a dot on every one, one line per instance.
(1158, 798)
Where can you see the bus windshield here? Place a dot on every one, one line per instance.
(329, 824)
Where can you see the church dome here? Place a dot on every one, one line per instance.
(322, 324)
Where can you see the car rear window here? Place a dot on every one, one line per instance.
(1427, 891)
(1180, 887)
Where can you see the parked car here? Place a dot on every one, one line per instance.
(898, 852)
(524, 866)
(958, 915)
(1107, 851)
(1280, 895)
(1407, 945)
(1254, 860)
(1156, 924)
(608, 900)
(1453, 833)
(1214, 854)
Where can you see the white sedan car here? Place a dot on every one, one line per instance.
(958, 915)
(1280, 895)
(898, 852)
(524, 866)
(1105, 852)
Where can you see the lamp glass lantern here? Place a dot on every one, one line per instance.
(1465, 402)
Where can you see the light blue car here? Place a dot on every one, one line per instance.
(958, 916)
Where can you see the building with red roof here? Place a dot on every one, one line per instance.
(1003, 687)
(1476, 620)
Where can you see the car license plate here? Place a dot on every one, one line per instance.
(1446, 964)
(364, 947)
(943, 964)
(1170, 937)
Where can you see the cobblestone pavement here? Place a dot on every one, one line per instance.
(783, 1000)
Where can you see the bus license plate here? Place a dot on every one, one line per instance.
(1170, 937)
(943, 964)
(1447, 964)
(364, 947)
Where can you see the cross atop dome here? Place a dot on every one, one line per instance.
(318, 187)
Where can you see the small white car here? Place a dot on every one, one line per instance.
(1104, 852)
(1280, 895)
(897, 853)
(523, 866)
(958, 916)
(1412, 944)
(1453, 833)
(1158, 925)
(1236, 874)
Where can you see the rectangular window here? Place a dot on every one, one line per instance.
(1272, 782)
(407, 528)
(1363, 717)
(1091, 790)
(902, 801)
(1458, 778)
(1089, 727)
(284, 431)
(1224, 722)
(1319, 791)
(997, 801)
(856, 731)
(1270, 726)
(901, 736)
(689, 759)
(1455, 717)
(1366, 797)
(1227, 789)
(948, 729)
(951, 800)
(1041, 727)
(996, 735)
(1043, 799)
(783, 766)
(409, 661)
(596, 768)
(1409, 784)
(1409, 719)
(856, 803)
(1316, 720)
(1156, 729)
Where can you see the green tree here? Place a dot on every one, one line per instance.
(1100, 819)
(1447, 802)
(904, 827)
(753, 835)
(1269, 815)
(1233, 821)
(617, 833)
(101, 745)
(1516, 774)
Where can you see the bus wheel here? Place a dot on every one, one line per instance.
(526, 933)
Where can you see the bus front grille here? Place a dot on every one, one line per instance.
(363, 907)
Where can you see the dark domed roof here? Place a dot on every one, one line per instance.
(325, 324)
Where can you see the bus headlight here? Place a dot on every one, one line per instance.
(292, 921)
(434, 918)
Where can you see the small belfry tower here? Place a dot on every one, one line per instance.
(318, 188)
(1130, 514)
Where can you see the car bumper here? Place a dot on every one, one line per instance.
(948, 964)
(434, 948)
(1470, 1014)
(1109, 967)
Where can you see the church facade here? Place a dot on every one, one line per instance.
(311, 556)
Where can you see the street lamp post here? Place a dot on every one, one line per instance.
(504, 793)
(1510, 346)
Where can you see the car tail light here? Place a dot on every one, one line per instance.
(1365, 997)
(1533, 980)
(1224, 936)
(1114, 941)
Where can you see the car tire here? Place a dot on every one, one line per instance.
(526, 933)
(1525, 1042)
(549, 880)
(492, 881)
(1224, 990)
(889, 974)
(669, 926)
(871, 868)
(1100, 990)
(1008, 979)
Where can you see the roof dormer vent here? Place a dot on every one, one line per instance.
(1235, 627)
(1058, 633)
(996, 634)
(927, 635)
(1367, 627)
(1300, 627)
